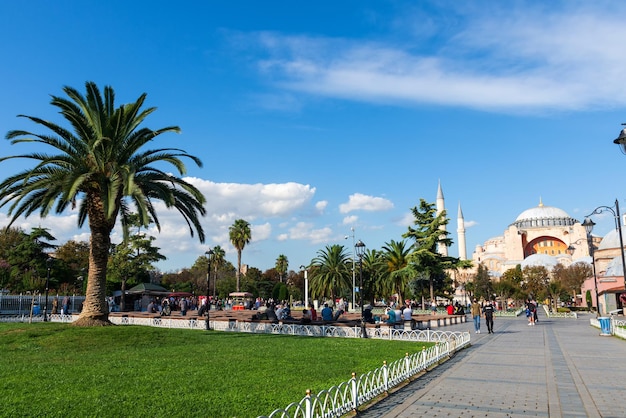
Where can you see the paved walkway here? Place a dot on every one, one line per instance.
(557, 368)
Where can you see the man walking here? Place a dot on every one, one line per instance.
(488, 310)
(476, 312)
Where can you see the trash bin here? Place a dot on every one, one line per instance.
(36, 310)
(605, 325)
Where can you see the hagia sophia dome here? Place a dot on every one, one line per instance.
(539, 236)
(543, 216)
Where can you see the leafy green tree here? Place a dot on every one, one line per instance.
(131, 261)
(265, 283)
(25, 256)
(428, 236)
(505, 288)
(536, 280)
(240, 235)
(73, 257)
(280, 292)
(573, 276)
(419, 287)
(332, 274)
(101, 167)
(554, 290)
(483, 286)
(515, 275)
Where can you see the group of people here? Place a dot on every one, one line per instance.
(477, 311)
(282, 312)
(65, 306)
(398, 314)
(531, 311)
(166, 304)
(456, 309)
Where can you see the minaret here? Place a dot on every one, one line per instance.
(442, 249)
(461, 232)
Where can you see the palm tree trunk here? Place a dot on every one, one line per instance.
(123, 298)
(238, 268)
(95, 308)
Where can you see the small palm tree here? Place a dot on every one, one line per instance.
(282, 264)
(398, 269)
(101, 167)
(332, 272)
(240, 235)
(217, 260)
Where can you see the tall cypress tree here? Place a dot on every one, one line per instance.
(428, 235)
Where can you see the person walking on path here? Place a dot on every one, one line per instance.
(530, 312)
(476, 313)
(488, 310)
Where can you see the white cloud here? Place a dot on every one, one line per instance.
(499, 59)
(360, 201)
(259, 204)
(321, 206)
(306, 231)
(350, 220)
(249, 201)
(470, 224)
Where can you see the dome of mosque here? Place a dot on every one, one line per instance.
(543, 216)
(544, 260)
(611, 240)
(615, 268)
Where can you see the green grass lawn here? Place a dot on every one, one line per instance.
(57, 370)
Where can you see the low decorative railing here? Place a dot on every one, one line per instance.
(348, 396)
(552, 314)
(509, 313)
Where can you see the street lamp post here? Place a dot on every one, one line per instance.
(359, 248)
(45, 307)
(589, 224)
(306, 286)
(618, 227)
(208, 282)
(353, 269)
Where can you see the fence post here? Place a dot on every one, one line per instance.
(355, 394)
(385, 376)
(407, 364)
(308, 410)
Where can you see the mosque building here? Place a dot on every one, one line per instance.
(545, 236)
(538, 236)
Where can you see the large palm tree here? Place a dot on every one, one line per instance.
(100, 167)
(240, 235)
(332, 272)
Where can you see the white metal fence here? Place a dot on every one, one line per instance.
(359, 390)
(24, 304)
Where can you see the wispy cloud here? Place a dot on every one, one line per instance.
(529, 58)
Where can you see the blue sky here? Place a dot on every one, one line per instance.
(315, 117)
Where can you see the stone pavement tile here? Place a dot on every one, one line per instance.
(558, 368)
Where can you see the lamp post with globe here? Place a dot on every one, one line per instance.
(359, 248)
